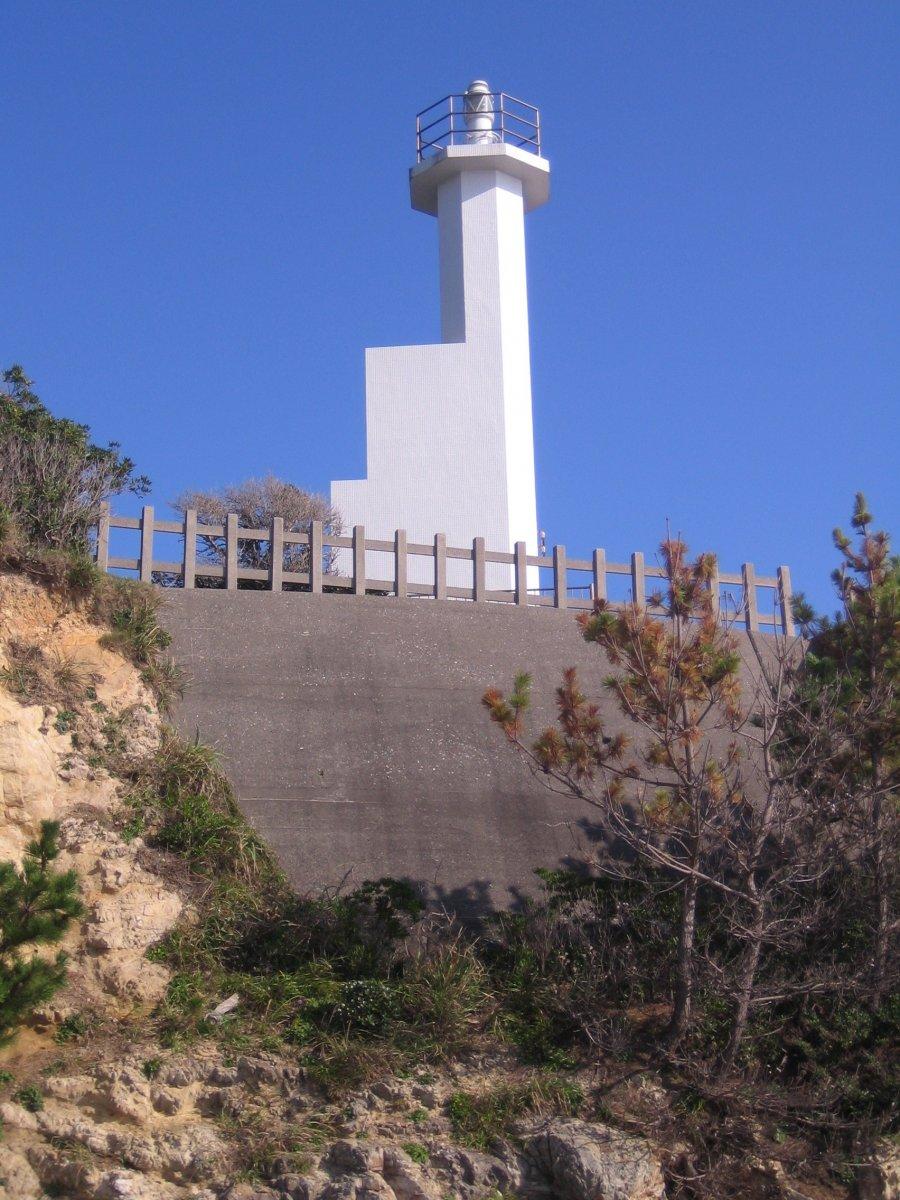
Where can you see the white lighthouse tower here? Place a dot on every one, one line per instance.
(449, 436)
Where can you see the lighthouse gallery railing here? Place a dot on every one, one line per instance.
(444, 123)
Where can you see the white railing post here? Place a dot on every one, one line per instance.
(440, 566)
(638, 590)
(189, 555)
(276, 554)
(521, 573)
(101, 551)
(751, 613)
(315, 556)
(784, 599)
(359, 560)
(400, 564)
(145, 571)
(479, 573)
(231, 552)
(599, 575)
(560, 577)
(715, 588)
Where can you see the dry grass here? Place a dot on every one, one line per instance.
(35, 676)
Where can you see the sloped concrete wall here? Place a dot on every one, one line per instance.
(353, 732)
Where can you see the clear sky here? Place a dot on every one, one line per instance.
(204, 220)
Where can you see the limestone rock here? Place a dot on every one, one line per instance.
(17, 1179)
(28, 781)
(594, 1162)
(879, 1178)
(407, 1179)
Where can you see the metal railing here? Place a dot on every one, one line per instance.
(576, 583)
(444, 124)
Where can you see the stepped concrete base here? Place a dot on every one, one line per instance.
(352, 730)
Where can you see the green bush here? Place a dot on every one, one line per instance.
(30, 1098)
(37, 905)
(366, 1006)
(53, 479)
(71, 1029)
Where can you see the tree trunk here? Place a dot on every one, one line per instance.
(883, 900)
(745, 989)
(684, 966)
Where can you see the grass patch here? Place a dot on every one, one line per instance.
(481, 1118)
(30, 1098)
(36, 676)
(417, 1152)
(151, 1067)
(71, 1029)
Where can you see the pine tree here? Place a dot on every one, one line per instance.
(852, 668)
(37, 904)
(675, 796)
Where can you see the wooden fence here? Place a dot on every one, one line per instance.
(576, 582)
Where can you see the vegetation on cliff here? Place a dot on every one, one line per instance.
(37, 904)
(727, 988)
(757, 810)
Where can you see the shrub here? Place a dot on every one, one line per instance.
(36, 906)
(53, 479)
(366, 1006)
(71, 1028)
(30, 1098)
(574, 958)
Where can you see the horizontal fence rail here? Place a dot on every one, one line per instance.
(575, 582)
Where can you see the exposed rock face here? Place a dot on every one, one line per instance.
(29, 785)
(879, 1179)
(593, 1162)
(43, 776)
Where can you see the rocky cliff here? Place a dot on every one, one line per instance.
(99, 1098)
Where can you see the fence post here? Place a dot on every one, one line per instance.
(599, 574)
(359, 560)
(400, 564)
(638, 591)
(784, 599)
(146, 563)
(479, 573)
(231, 552)
(189, 557)
(751, 614)
(560, 577)
(521, 573)
(276, 554)
(440, 566)
(102, 549)
(315, 556)
(714, 588)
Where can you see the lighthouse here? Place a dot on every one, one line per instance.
(449, 430)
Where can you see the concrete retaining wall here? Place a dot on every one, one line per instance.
(353, 732)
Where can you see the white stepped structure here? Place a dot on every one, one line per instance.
(449, 434)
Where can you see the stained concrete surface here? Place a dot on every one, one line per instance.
(352, 730)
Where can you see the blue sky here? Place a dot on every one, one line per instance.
(205, 220)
